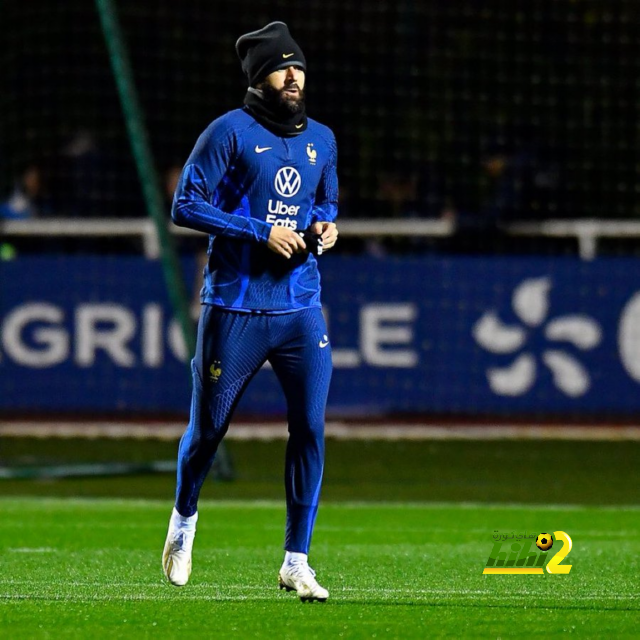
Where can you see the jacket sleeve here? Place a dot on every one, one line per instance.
(325, 208)
(195, 199)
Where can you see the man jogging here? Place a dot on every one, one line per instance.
(262, 182)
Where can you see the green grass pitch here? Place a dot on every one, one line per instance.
(90, 568)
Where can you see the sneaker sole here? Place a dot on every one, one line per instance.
(305, 599)
(312, 599)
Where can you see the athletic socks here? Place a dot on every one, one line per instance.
(292, 557)
(187, 524)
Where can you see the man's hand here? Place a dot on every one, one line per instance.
(285, 242)
(328, 232)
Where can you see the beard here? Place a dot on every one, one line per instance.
(282, 104)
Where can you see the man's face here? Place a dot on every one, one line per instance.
(286, 87)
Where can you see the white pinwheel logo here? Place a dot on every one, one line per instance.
(531, 304)
(287, 182)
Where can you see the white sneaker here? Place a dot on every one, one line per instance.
(176, 557)
(301, 578)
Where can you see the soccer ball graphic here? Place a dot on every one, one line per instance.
(544, 541)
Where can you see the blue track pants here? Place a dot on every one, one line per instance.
(231, 348)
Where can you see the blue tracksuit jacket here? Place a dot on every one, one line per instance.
(239, 180)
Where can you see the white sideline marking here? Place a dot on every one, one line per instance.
(134, 503)
(206, 586)
(32, 550)
(270, 594)
(333, 429)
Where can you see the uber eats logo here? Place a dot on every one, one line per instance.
(528, 554)
(287, 184)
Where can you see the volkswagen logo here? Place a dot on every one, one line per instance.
(287, 182)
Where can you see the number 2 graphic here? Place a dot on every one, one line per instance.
(554, 566)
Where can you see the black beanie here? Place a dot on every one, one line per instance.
(268, 49)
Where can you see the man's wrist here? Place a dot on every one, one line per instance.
(263, 230)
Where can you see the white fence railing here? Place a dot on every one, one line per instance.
(586, 232)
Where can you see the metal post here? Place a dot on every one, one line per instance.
(149, 179)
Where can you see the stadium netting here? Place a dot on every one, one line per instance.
(432, 102)
(480, 115)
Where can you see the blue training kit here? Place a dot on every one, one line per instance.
(231, 348)
(258, 306)
(240, 180)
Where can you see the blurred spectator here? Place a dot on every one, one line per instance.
(27, 200)
(79, 181)
(397, 191)
(519, 185)
(345, 199)
(406, 189)
(513, 184)
(171, 178)
(410, 190)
